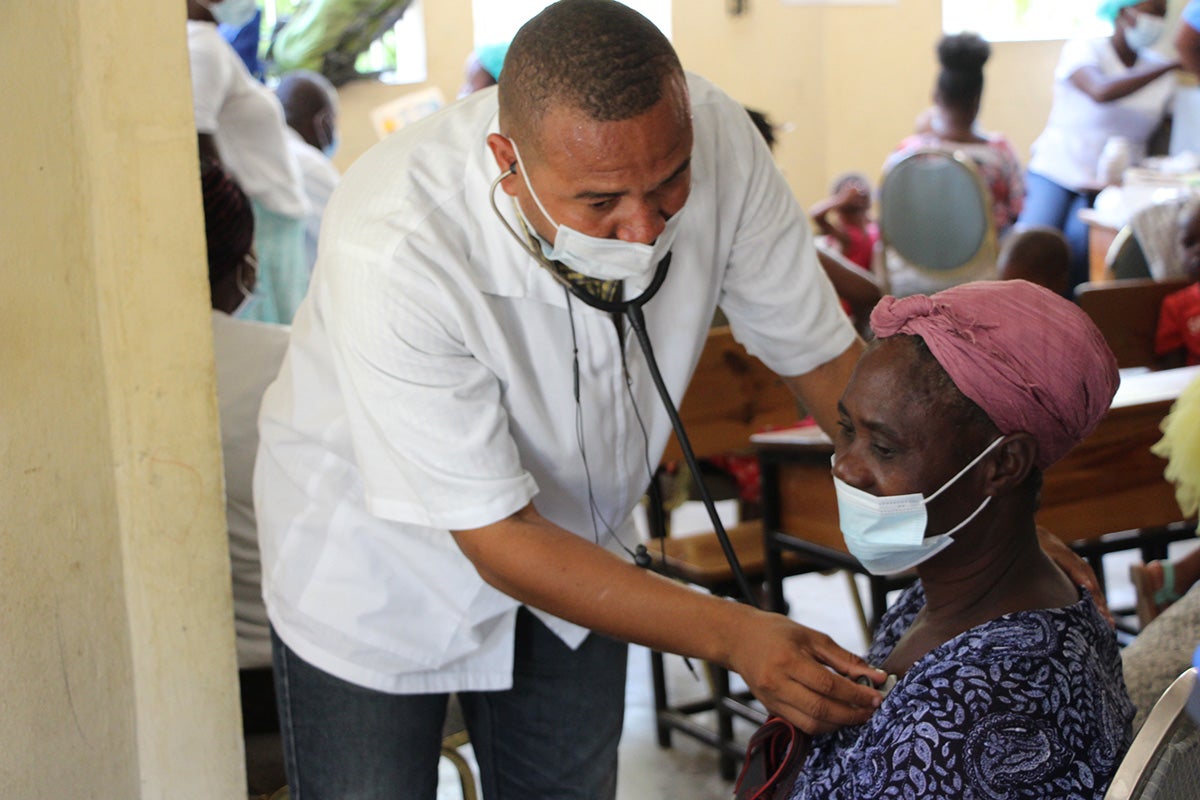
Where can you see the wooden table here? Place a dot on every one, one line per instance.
(1108, 483)
(1100, 238)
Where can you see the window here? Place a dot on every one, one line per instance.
(396, 56)
(1024, 20)
(498, 22)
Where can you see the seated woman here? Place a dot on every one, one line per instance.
(1009, 679)
(950, 125)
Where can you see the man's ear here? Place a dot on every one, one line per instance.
(1011, 463)
(506, 159)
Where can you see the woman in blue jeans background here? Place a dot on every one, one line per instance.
(1107, 87)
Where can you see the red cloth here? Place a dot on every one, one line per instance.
(860, 244)
(1179, 324)
(1032, 360)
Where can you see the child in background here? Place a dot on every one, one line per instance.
(1038, 254)
(1177, 341)
(852, 233)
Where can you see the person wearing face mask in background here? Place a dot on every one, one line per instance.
(239, 122)
(1008, 677)
(310, 106)
(247, 356)
(483, 68)
(1108, 88)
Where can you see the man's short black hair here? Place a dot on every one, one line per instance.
(597, 56)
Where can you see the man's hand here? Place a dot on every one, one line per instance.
(794, 671)
(1078, 570)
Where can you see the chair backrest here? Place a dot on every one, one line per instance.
(1125, 257)
(936, 212)
(1163, 763)
(1126, 312)
(1157, 229)
(732, 395)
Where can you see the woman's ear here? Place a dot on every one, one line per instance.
(1011, 463)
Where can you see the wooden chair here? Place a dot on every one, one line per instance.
(1126, 312)
(731, 395)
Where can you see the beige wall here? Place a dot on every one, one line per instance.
(118, 678)
(846, 81)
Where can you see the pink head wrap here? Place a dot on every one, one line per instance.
(1029, 358)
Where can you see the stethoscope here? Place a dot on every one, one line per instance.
(632, 311)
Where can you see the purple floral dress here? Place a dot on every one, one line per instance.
(1030, 705)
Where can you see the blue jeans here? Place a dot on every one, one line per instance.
(1047, 203)
(553, 735)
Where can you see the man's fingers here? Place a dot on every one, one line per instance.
(813, 710)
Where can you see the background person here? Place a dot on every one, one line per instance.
(310, 107)
(951, 126)
(844, 220)
(1103, 88)
(483, 68)
(1009, 678)
(247, 355)
(1170, 632)
(1038, 254)
(239, 123)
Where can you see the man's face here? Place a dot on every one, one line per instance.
(612, 180)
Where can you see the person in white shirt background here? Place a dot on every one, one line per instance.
(310, 106)
(240, 123)
(1103, 88)
(457, 438)
(247, 356)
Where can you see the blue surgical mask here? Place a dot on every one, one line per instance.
(887, 534)
(330, 149)
(234, 13)
(604, 259)
(1145, 31)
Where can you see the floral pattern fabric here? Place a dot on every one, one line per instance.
(1030, 705)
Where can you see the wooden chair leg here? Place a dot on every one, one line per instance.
(719, 681)
(858, 604)
(658, 676)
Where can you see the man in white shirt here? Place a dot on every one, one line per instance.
(455, 443)
(310, 106)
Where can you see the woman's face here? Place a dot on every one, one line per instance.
(897, 436)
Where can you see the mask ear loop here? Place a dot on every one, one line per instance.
(964, 470)
(248, 262)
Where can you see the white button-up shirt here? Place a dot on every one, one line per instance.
(429, 387)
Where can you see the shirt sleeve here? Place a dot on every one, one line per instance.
(1075, 54)
(1169, 336)
(210, 84)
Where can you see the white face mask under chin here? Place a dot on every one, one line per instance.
(887, 534)
(1145, 31)
(604, 259)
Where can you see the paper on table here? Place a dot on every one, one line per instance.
(809, 434)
